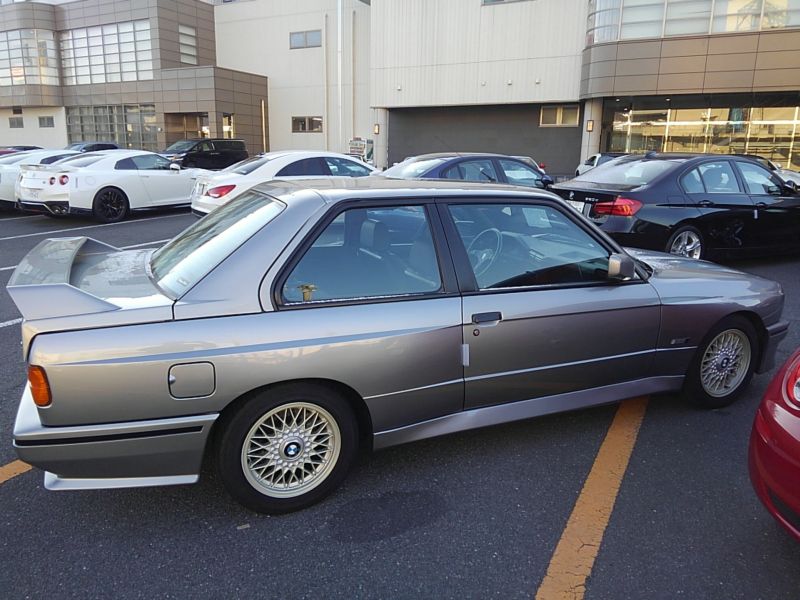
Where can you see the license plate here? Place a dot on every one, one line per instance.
(579, 206)
(30, 194)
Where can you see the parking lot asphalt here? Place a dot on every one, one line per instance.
(471, 515)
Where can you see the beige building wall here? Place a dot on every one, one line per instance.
(253, 36)
(457, 52)
(31, 134)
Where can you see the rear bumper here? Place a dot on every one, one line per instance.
(129, 454)
(56, 207)
(774, 467)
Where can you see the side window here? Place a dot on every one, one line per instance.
(472, 170)
(691, 182)
(348, 168)
(307, 167)
(126, 164)
(203, 147)
(757, 179)
(367, 253)
(520, 174)
(515, 245)
(718, 178)
(151, 162)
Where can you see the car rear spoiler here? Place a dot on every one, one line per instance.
(47, 167)
(40, 285)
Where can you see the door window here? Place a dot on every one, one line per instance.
(520, 174)
(515, 245)
(305, 167)
(150, 162)
(347, 168)
(472, 170)
(718, 178)
(757, 179)
(367, 253)
(691, 182)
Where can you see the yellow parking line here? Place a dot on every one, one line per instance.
(13, 469)
(577, 549)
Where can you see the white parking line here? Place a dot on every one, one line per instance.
(153, 243)
(54, 231)
(10, 323)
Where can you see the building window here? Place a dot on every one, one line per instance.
(28, 56)
(306, 124)
(228, 126)
(128, 125)
(489, 2)
(565, 115)
(642, 19)
(305, 39)
(603, 21)
(687, 17)
(46, 122)
(107, 53)
(15, 122)
(187, 38)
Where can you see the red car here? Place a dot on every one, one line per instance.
(775, 447)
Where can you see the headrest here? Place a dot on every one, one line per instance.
(374, 236)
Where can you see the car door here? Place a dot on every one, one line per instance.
(727, 215)
(163, 184)
(777, 207)
(346, 168)
(382, 300)
(516, 172)
(474, 169)
(540, 316)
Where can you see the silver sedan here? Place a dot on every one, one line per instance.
(305, 320)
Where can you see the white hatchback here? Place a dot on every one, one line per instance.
(215, 189)
(107, 184)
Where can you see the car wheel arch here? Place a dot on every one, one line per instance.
(761, 331)
(353, 398)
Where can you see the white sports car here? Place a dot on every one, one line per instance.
(215, 189)
(10, 165)
(107, 184)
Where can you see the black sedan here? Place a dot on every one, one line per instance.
(695, 205)
(468, 166)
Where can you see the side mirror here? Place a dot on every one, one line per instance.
(790, 186)
(175, 167)
(589, 163)
(547, 181)
(621, 267)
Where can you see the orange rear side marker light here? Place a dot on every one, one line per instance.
(40, 387)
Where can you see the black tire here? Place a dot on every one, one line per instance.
(682, 243)
(261, 492)
(694, 389)
(110, 205)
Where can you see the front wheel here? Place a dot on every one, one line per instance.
(287, 448)
(723, 365)
(110, 205)
(686, 241)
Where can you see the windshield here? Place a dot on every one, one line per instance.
(624, 171)
(187, 258)
(181, 146)
(412, 167)
(247, 166)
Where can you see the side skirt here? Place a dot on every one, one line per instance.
(525, 409)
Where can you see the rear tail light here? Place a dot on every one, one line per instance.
(621, 207)
(63, 180)
(792, 385)
(220, 191)
(52, 181)
(40, 387)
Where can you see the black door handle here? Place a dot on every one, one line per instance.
(705, 203)
(761, 205)
(487, 317)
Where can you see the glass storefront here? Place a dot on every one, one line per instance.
(769, 131)
(612, 20)
(129, 125)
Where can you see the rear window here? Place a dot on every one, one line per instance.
(411, 168)
(636, 172)
(54, 158)
(187, 258)
(249, 165)
(81, 160)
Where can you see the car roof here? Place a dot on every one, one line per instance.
(337, 189)
(458, 155)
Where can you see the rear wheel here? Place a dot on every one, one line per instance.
(287, 448)
(686, 241)
(724, 364)
(110, 205)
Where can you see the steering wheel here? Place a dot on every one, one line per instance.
(483, 250)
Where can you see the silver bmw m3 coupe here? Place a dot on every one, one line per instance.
(305, 320)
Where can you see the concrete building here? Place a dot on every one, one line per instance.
(141, 73)
(316, 55)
